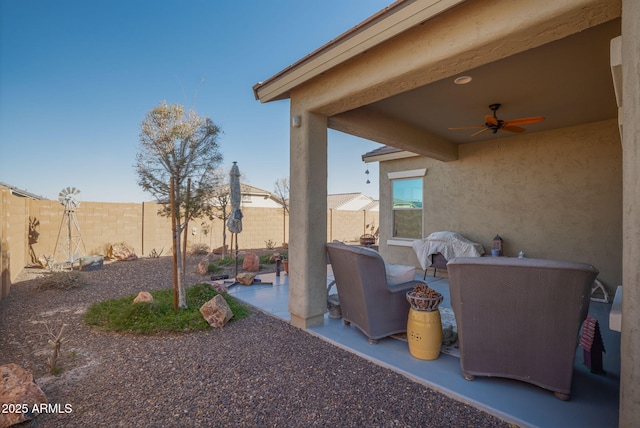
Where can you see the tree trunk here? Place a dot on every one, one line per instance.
(224, 233)
(182, 300)
(174, 257)
(186, 228)
(179, 298)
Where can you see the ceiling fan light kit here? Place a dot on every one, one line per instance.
(493, 124)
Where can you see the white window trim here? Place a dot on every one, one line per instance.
(412, 173)
(399, 242)
(396, 175)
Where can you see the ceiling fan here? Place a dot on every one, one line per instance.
(494, 124)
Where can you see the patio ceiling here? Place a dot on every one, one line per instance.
(568, 82)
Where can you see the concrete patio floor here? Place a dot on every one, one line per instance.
(594, 401)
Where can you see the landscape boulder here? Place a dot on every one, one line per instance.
(221, 250)
(143, 296)
(203, 266)
(216, 311)
(251, 263)
(18, 388)
(246, 278)
(122, 252)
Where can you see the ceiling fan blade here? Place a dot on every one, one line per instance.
(491, 120)
(523, 121)
(480, 131)
(467, 127)
(513, 128)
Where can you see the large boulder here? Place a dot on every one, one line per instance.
(216, 311)
(18, 389)
(251, 263)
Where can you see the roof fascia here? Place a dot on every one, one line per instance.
(403, 154)
(386, 24)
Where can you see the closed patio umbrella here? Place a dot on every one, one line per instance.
(234, 224)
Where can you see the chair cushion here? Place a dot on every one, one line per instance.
(398, 274)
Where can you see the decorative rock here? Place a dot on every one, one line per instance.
(245, 278)
(122, 252)
(203, 267)
(143, 296)
(216, 311)
(91, 262)
(251, 263)
(221, 250)
(219, 286)
(17, 387)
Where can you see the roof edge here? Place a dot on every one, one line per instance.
(371, 32)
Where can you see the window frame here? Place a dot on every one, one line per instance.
(406, 175)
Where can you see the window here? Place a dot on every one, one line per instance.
(406, 196)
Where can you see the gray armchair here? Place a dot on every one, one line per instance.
(520, 318)
(366, 300)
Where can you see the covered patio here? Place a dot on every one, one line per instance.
(567, 187)
(594, 401)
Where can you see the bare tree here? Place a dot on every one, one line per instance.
(220, 203)
(281, 190)
(180, 146)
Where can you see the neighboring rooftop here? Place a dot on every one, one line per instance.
(21, 193)
(351, 201)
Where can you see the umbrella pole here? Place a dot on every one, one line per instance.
(236, 254)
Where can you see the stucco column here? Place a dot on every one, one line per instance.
(308, 220)
(630, 344)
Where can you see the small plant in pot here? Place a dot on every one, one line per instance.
(423, 298)
(280, 259)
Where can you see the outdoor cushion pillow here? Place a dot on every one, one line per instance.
(397, 274)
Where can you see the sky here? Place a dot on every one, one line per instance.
(77, 78)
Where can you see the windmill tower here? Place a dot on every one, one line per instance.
(68, 243)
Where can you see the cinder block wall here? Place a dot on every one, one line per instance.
(103, 224)
(348, 226)
(13, 238)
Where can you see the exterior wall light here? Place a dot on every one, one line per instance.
(296, 121)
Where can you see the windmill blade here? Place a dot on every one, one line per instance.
(467, 127)
(491, 120)
(480, 131)
(523, 121)
(513, 128)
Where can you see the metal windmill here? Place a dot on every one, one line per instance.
(68, 248)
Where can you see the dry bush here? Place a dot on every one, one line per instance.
(64, 280)
(199, 249)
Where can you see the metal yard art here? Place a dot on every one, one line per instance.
(69, 241)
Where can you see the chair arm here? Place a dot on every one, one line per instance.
(403, 287)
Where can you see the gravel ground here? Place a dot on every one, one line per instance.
(259, 371)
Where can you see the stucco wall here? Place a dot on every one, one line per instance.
(554, 194)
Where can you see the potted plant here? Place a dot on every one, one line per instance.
(281, 258)
(423, 298)
(424, 327)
